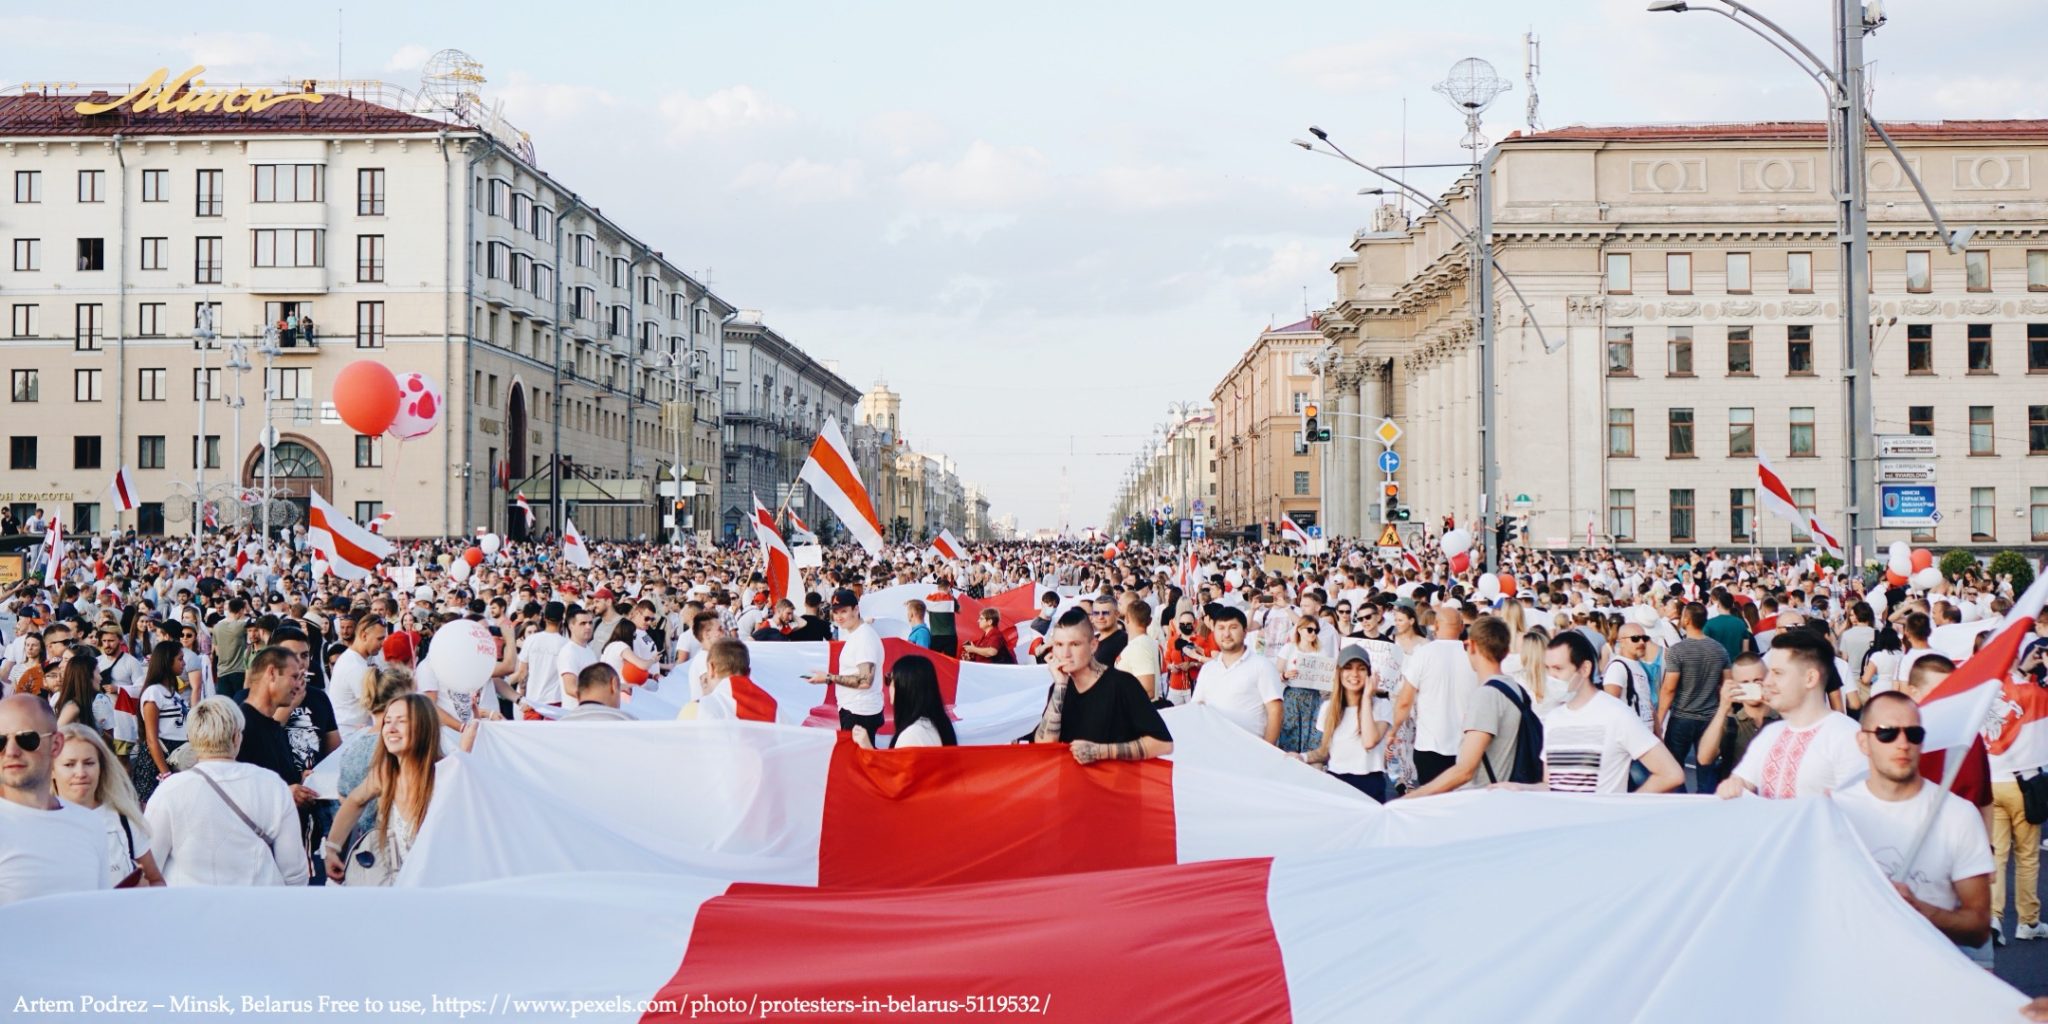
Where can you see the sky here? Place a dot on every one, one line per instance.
(1041, 224)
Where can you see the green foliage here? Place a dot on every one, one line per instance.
(1956, 563)
(1828, 562)
(2014, 564)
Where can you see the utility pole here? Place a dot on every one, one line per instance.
(1489, 425)
(1860, 494)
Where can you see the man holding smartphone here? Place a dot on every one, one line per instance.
(857, 685)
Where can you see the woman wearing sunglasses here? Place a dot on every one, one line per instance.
(1304, 669)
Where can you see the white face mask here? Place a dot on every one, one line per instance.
(1565, 686)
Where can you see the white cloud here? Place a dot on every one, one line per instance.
(904, 132)
(728, 109)
(408, 60)
(1396, 62)
(804, 181)
(1153, 187)
(986, 176)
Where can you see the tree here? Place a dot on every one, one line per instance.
(2014, 564)
(1956, 563)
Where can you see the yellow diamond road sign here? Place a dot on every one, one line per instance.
(1390, 537)
(1387, 432)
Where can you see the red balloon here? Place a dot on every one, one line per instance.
(1894, 579)
(366, 396)
(1507, 585)
(1922, 558)
(1461, 561)
(474, 556)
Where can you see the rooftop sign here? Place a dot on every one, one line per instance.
(185, 94)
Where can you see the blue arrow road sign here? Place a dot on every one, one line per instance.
(1390, 461)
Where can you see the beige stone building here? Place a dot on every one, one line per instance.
(1175, 479)
(1264, 469)
(1687, 275)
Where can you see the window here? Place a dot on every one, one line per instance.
(1617, 273)
(2037, 430)
(289, 383)
(21, 453)
(544, 280)
(85, 517)
(27, 385)
(85, 327)
(149, 320)
(1301, 482)
(151, 384)
(2037, 348)
(92, 186)
(368, 510)
(1983, 438)
(1300, 399)
(1799, 350)
(1741, 361)
(1300, 443)
(1621, 433)
(1678, 351)
(1738, 273)
(1678, 273)
(1919, 348)
(85, 451)
(92, 254)
(1680, 423)
(1621, 515)
(544, 223)
(207, 197)
(206, 257)
(1980, 348)
(28, 254)
(1681, 516)
(287, 247)
(522, 209)
(1802, 430)
(149, 451)
(2037, 270)
(1803, 500)
(1741, 514)
(369, 258)
(498, 261)
(28, 186)
(25, 320)
(369, 325)
(1920, 420)
(206, 384)
(288, 183)
(1621, 351)
(369, 451)
(500, 198)
(1741, 432)
(582, 302)
(586, 250)
(1919, 272)
(85, 385)
(1798, 271)
(155, 185)
(212, 451)
(622, 271)
(1983, 513)
(370, 192)
(156, 254)
(1977, 270)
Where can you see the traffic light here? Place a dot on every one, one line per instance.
(1505, 532)
(1311, 423)
(1401, 513)
(1390, 499)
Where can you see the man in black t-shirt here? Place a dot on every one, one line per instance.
(1103, 712)
(273, 674)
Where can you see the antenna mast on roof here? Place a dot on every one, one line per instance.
(1532, 65)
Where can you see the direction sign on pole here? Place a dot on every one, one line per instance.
(1390, 461)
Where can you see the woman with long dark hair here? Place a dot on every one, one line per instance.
(920, 709)
(165, 703)
(77, 687)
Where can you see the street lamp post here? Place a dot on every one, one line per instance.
(204, 335)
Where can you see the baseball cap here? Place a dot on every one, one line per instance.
(399, 647)
(845, 598)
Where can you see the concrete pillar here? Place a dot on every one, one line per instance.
(1342, 496)
(1370, 390)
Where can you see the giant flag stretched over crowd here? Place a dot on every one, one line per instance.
(1776, 497)
(574, 551)
(783, 579)
(833, 476)
(350, 551)
(123, 490)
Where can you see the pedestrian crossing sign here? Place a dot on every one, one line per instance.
(1389, 537)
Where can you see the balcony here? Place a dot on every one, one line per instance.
(295, 342)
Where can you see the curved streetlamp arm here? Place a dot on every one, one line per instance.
(1779, 29)
(1817, 71)
(1952, 242)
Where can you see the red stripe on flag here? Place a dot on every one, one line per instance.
(834, 464)
(316, 519)
(1202, 932)
(1017, 604)
(1769, 480)
(753, 704)
(964, 814)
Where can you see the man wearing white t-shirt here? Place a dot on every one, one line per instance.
(1626, 679)
(351, 675)
(857, 686)
(537, 655)
(1812, 749)
(51, 846)
(1590, 740)
(575, 655)
(1949, 881)
(1437, 681)
(1242, 684)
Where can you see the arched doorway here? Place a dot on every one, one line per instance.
(298, 468)
(515, 457)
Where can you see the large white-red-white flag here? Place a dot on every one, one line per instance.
(1960, 708)
(53, 552)
(123, 490)
(573, 549)
(777, 564)
(946, 546)
(350, 551)
(799, 531)
(833, 476)
(1292, 533)
(1777, 499)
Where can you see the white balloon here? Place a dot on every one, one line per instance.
(458, 570)
(1900, 550)
(1489, 586)
(462, 655)
(1457, 542)
(1901, 564)
(1927, 579)
(490, 543)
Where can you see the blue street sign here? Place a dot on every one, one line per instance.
(1201, 530)
(1198, 504)
(1390, 461)
(1169, 511)
(1907, 505)
(1315, 532)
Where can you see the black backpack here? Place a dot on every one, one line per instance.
(1527, 765)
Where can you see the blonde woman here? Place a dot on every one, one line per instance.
(401, 781)
(1511, 613)
(86, 774)
(1525, 664)
(222, 822)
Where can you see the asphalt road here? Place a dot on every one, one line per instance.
(2024, 964)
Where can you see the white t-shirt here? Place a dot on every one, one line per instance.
(863, 647)
(921, 733)
(538, 654)
(47, 852)
(119, 862)
(1626, 674)
(1956, 849)
(572, 659)
(1589, 749)
(345, 691)
(1348, 753)
(1443, 679)
(1787, 762)
(170, 711)
(1241, 691)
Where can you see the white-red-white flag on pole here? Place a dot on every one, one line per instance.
(377, 522)
(946, 546)
(833, 476)
(1958, 710)
(350, 551)
(1291, 532)
(53, 552)
(777, 563)
(520, 500)
(1776, 497)
(799, 532)
(123, 490)
(211, 517)
(573, 549)
(1190, 571)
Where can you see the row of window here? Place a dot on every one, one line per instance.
(1919, 276)
(269, 183)
(1682, 443)
(1683, 514)
(286, 383)
(22, 451)
(89, 320)
(1979, 350)
(268, 247)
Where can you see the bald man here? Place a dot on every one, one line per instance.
(51, 846)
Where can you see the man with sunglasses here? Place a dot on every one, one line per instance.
(1627, 678)
(1812, 749)
(50, 846)
(1949, 881)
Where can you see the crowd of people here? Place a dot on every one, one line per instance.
(186, 711)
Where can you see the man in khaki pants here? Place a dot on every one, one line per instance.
(2020, 749)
